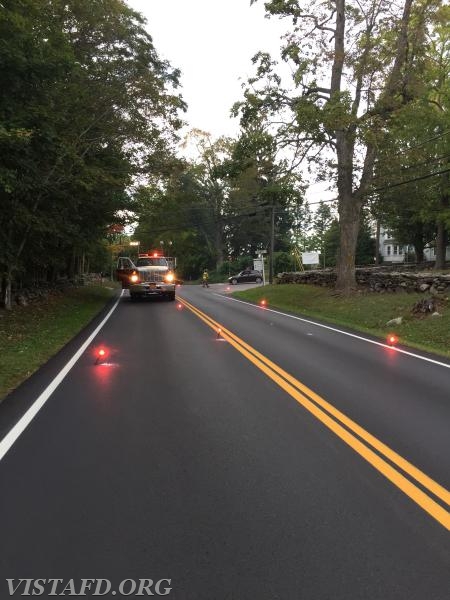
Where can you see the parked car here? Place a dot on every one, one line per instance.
(246, 276)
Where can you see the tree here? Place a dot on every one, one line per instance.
(220, 204)
(407, 200)
(212, 207)
(365, 245)
(412, 172)
(322, 220)
(265, 195)
(331, 243)
(355, 63)
(87, 105)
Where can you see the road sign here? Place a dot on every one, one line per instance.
(258, 265)
(310, 258)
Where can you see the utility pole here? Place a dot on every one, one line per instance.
(272, 243)
(377, 243)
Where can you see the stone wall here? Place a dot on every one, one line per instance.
(42, 290)
(375, 279)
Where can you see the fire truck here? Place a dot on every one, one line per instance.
(150, 275)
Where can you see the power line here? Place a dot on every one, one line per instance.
(425, 162)
(419, 164)
(393, 185)
(436, 137)
(420, 144)
(261, 208)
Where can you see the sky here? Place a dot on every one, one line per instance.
(212, 42)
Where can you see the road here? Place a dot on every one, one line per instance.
(273, 459)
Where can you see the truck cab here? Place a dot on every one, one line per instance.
(149, 275)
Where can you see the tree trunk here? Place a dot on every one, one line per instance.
(272, 244)
(418, 248)
(339, 47)
(349, 220)
(441, 246)
(350, 199)
(219, 246)
(7, 290)
(442, 234)
(349, 208)
(71, 266)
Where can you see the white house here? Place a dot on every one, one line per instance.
(393, 252)
(430, 253)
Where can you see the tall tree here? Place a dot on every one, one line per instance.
(355, 63)
(265, 195)
(192, 203)
(87, 105)
(220, 203)
(409, 178)
(412, 170)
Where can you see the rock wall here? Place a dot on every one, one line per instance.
(376, 280)
(42, 290)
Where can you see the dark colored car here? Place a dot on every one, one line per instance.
(246, 276)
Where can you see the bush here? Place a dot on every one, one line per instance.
(283, 262)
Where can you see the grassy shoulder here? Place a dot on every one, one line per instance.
(365, 311)
(30, 335)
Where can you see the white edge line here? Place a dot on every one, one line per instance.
(26, 419)
(358, 337)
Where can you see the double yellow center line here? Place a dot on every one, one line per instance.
(345, 428)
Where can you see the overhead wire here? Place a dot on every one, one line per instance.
(420, 144)
(262, 207)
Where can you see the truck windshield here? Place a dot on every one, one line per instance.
(151, 262)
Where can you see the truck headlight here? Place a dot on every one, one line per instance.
(169, 277)
(134, 278)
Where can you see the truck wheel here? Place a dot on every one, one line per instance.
(133, 297)
(170, 296)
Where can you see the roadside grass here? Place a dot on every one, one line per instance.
(30, 335)
(367, 312)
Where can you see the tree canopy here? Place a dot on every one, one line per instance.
(89, 115)
(355, 66)
(87, 105)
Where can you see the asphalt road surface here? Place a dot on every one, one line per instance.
(239, 452)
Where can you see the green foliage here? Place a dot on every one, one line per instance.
(87, 104)
(330, 246)
(321, 222)
(350, 78)
(365, 246)
(189, 209)
(283, 262)
(258, 181)
(219, 206)
(415, 147)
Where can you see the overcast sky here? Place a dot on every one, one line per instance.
(211, 42)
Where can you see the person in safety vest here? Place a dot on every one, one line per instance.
(205, 277)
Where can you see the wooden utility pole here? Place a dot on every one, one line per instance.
(272, 243)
